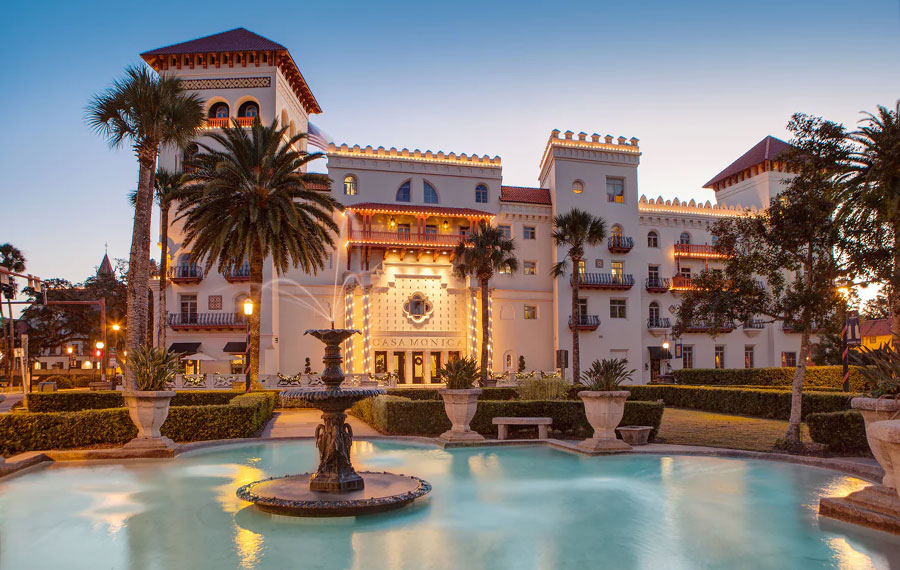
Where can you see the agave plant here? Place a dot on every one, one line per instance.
(460, 373)
(153, 367)
(606, 375)
(881, 367)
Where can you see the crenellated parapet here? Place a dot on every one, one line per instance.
(607, 148)
(439, 157)
(676, 206)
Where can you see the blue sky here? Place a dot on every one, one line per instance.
(697, 82)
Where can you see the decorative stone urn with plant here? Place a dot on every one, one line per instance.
(604, 404)
(148, 406)
(881, 367)
(460, 398)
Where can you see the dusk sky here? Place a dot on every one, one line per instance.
(698, 83)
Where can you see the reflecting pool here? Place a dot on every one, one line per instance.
(491, 508)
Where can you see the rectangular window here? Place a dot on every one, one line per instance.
(188, 308)
(506, 230)
(687, 357)
(505, 270)
(789, 359)
(530, 268)
(430, 230)
(403, 229)
(530, 312)
(463, 231)
(748, 356)
(528, 232)
(720, 356)
(380, 361)
(615, 190)
(685, 272)
(214, 302)
(582, 307)
(653, 273)
(581, 268)
(237, 364)
(617, 308)
(617, 268)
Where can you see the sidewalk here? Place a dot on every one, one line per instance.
(7, 401)
(302, 423)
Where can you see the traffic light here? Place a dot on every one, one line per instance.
(97, 353)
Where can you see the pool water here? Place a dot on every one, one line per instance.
(491, 508)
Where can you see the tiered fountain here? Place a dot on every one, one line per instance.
(335, 489)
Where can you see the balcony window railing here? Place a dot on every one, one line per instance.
(605, 279)
(586, 321)
(755, 324)
(239, 273)
(656, 283)
(206, 319)
(658, 323)
(186, 272)
(697, 250)
(704, 325)
(404, 238)
(620, 243)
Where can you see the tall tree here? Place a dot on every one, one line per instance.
(870, 204)
(575, 230)
(790, 246)
(12, 259)
(878, 307)
(245, 198)
(169, 185)
(485, 251)
(146, 111)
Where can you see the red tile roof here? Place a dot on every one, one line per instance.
(767, 149)
(239, 40)
(318, 186)
(875, 327)
(525, 195)
(411, 209)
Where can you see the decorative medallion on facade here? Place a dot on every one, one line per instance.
(226, 83)
(418, 308)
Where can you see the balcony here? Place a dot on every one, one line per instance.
(698, 251)
(404, 239)
(815, 328)
(703, 326)
(620, 244)
(586, 322)
(657, 325)
(239, 275)
(611, 281)
(206, 321)
(219, 122)
(182, 274)
(656, 284)
(682, 283)
(754, 326)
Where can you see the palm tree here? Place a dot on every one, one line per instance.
(576, 229)
(245, 198)
(484, 251)
(12, 259)
(870, 205)
(169, 186)
(147, 111)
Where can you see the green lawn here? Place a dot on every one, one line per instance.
(693, 427)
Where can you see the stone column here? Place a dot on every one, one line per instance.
(490, 329)
(367, 335)
(348, 324)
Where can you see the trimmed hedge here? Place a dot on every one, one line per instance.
(434, 393)
(840, 431)
(756, 402)
(243, 416)
(830, 377)
(396, 415)
(39, 402)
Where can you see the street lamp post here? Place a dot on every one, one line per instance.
(248, 311)
(115, 347)
(101, 346)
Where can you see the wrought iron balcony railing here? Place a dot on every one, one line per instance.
(185, 273)
(589, 322)
(605, 281)
(620, 244)
(410, 239)
(241, 273)
(656, 284)
(698, 251)
(755, 324)
(206, 320)
(658, 323)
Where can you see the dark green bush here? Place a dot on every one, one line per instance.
(756, 402)
(396, 415)
(434, 393)
(244, 416)
(830, 377)
(62, 382)
(204, 397)
(840, 431)
(78, 401)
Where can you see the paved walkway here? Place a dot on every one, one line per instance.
(302, 423)
(7, 401)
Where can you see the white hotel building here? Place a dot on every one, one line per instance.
(407, 209)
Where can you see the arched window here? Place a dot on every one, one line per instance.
(685, 238)
(218, 111)
(248, 109)
(654, 312)
(652, 239)
(350, 185)
(481, 194)
(431, 196)
(616, 230)
(578, 187)
(403, 192)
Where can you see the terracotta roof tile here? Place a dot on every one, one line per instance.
(875, 327)
(525, 195)
(238, 39)
(767, 149)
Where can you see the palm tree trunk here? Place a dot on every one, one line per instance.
(576, 317)
(793, 432)
(163, 268)
(256, 277)
(485, 329)
(138, 261)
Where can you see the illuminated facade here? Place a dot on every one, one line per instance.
(407, 209)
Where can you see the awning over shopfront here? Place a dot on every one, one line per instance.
(658, 353)
(235, 347)
(184, 347)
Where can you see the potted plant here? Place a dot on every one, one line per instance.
(460, 398)
(149, 406)
(881, 367)
(604, 404)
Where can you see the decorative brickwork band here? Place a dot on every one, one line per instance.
(226, 83)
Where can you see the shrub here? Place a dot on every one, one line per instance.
(816, 377)
(434, 393)
(62, 382)
(756, 402)
(244, 416)
(882, 368)
(840, 431)
(78, 401)
(542, 389)
(606, 375)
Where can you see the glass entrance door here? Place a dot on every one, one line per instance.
(400, 366)
(654, 369)
(435, 364)
(418, 367)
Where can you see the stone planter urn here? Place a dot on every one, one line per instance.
(148, 411)
(460, 406)
(877, 410)
(604, 411)
(887, 435)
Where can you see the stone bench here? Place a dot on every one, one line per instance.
(635, 435)
(96, 386)
(504, 423)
